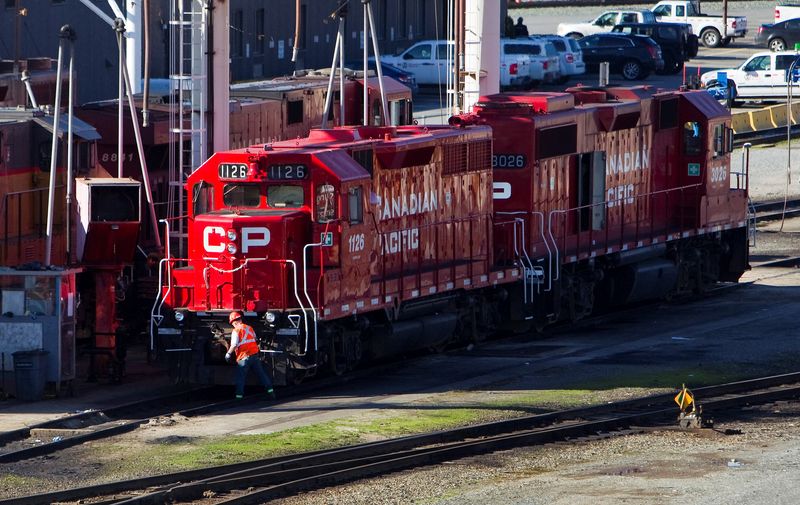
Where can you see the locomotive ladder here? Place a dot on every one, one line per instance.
(751, 222)
(534, 276)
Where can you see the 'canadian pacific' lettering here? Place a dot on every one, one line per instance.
(407, 205)
(630, 161)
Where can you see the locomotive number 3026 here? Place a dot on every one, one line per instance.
(509, 161)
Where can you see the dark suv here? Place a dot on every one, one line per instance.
(678, 43)
(634, 56)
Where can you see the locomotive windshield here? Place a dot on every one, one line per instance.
(241, 195)
(285, 196)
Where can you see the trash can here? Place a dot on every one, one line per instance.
(30, 374)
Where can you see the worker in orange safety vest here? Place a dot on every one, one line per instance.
(244, 346)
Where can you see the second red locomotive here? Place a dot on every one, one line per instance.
(357, 243)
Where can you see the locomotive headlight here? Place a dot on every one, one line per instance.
(180, 316)
(270, 317)
(232, 248)
(232, 236)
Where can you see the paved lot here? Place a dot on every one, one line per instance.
(544, 20)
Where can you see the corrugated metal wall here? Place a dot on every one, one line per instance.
(262, 35)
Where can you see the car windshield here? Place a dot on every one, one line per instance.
(418, 52)
(757, 63)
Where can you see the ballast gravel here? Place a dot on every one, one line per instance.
(753, 461)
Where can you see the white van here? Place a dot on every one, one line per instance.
(427, 60)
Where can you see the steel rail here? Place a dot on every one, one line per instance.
(290, 474)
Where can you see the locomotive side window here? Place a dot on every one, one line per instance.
(202, 198)
(325, 204)
(285, 196)
(294, 111)
(556, 141)
(692, 139)
(241, 195)
(719, 140)
(668, 114)
(356, 205)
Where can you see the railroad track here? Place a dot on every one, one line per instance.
(770, 211)
(77, 429)
(70, 431)
(262, 480)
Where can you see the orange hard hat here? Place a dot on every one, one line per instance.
(234, 316)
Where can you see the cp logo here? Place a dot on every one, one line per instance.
(215, 238)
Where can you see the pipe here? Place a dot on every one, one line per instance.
(365, 114)
(146, 42)
(26, 79)
(296, 48)
(70, 142)
(119, 27)
(342, 13)
(463, 120)
(54, 150)
(384, 106)
(329, 96)
(140, 149)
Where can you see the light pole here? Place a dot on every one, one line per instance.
(790, 77)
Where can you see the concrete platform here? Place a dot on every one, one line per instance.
(141, 381)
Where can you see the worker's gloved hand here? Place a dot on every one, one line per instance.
(229, 357)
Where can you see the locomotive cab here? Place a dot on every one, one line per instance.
(263, 225)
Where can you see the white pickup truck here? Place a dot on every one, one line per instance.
(787, 10)
(710, 29)
(604, 23)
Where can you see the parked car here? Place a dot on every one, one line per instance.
(515, 64)
(395, 73)
(634, 56)
(779, 36)
(427, 60)
(570, 55)
(546, 54)
(604, 23)
(760, 77)
(709, 27)
(678, 43)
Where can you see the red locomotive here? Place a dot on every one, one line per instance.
(358, 243)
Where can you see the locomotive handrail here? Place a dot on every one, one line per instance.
(305, 290)
(299, 302)
(527, 263)
(165, 260)
(19, 212)
(621, 203)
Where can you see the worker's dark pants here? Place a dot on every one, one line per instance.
(243, 366)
